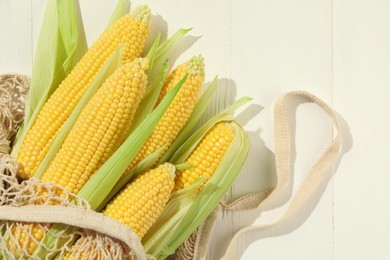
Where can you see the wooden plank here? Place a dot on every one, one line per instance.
(15, 40)
(261, 49)
(279, 46)
(361, 95)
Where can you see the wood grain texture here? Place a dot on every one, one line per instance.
(15, 39)
(361, 83)
(336, 49)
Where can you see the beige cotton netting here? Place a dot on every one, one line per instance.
(105, 238)
(17, 198)
(24, 210)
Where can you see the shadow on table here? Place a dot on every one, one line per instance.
(160, 25)
(247, 218)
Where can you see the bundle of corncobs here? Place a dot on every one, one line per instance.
(122, 131)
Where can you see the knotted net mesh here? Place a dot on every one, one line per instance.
(20, 240)
(39, 239)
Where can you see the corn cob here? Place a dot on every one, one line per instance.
(178, 112)
(100, 129)
(140, 203)
(130, 31)
(206, 157)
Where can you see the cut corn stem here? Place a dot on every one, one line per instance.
(111, 65)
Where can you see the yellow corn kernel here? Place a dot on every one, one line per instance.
(25, 241)
(130, 31)
(178, 112)
(207, 156)
(140, 203)
(100, 129)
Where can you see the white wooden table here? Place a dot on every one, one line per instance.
(337, 49)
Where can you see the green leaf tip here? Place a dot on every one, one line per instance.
(183, 166)
(105, 178)
(119, 11)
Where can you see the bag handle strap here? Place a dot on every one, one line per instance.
(75, 216)
(283, 155)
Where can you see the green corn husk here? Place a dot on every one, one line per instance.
(109, 67)
(149, 161)
(105, 178)
(61, 44)
(141, 167)
(167, 46)
(155, 55)
(179, 203)
(197, 113)
(186, 148)
(102, 182)
(213, 191)
(120, 9)
(165, 237)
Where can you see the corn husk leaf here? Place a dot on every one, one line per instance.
(153, 90)
(142, 166)
(210, 195)
(167, 45)
(184, 166)
(155, 55)
(109, 67)
(61, 44)
(120, 9)
(105, 178)
(152, 54)
(188, 129)
(171, 217)
(187, 147)
(102, 182)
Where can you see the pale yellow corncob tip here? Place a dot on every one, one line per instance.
(207, 156)
(100, 129)
(140, 203)
(142, 13)
(178, 112)
(129, 32)
(144, 62)
(196, 65)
